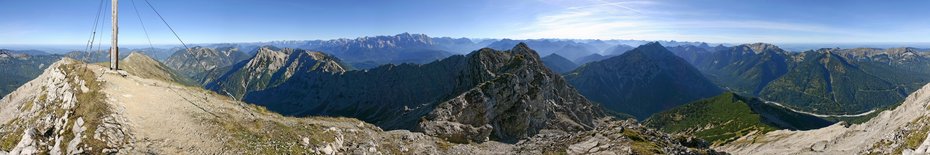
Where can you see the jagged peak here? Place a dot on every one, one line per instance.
(761, 47)
(521, 45)
(492, 58)
(269, 47)
(316, 55)
(651, 44)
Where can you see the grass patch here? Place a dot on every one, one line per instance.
(641, 145)
(913, 140)
(272, 137)
(728, 117)
(9, 140)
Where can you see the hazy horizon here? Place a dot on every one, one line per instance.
(70, 22)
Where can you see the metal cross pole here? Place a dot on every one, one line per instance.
(114, 49)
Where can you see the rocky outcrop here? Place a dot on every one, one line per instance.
(61, 111)
(521, 98)
(901, 130)
(613, 137)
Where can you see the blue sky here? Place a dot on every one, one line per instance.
(722, 21)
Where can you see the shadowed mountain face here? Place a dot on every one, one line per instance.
(641, 82)
(558, 63)
(745, 68)
(826, 81)
(501, 95)
(591, 58)
(19, 67)
(618, 49)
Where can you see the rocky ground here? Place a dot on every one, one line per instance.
(74, 108)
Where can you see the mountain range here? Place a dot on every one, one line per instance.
(196, 62)
(19, 68)
(643, 81)
(486, 88)
(134, 122)
(825, 81)
(270, 67)
(415, 94)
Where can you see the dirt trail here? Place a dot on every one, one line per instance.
(162, 118)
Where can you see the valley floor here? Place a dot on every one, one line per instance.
(820, 115)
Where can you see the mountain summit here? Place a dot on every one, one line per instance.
(558, 63)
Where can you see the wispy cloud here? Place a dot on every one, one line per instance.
(602, 19)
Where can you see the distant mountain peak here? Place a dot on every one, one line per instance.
(4, 54)
(652, 49)
(762, 47)
(652, 44)
(559, 64)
